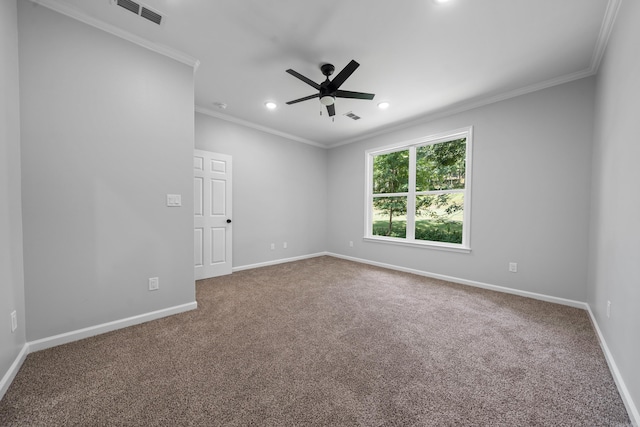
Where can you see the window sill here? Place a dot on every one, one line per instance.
(426, 245)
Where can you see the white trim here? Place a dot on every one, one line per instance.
(368, 185)
(527, 294)
(67, 337)
(245, 123)
(44, 343)
(468, 185)
(90, 331)
(410, 146)
(434, 138)
(74, 13)
(632, 410)
(603, 38)
(13, 370)
(605, 32)
(470, 105)
(425, 244)
(542, 297)
(410, 222)
(278, 261)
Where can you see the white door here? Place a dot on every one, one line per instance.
(212, 209)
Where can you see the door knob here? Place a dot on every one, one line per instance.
(228, 221)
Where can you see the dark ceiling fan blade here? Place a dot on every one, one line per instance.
(295, 101)
(304, 79)
(356, 95)
(331, 109)
(344, 74)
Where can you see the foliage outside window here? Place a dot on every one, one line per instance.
(419, 192)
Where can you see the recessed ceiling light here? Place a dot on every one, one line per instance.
(270, 105)
(383, 105)
(440, 1)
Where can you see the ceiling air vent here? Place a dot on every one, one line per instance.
(151, 15)
(352, 116)
(141, 10)
(129, 5)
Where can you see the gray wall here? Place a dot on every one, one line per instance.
(530, 194)
(615, 230)
(107, 132)
(279, 191)
(11, 267)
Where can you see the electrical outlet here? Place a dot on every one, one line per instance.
(284, 245)
(608, 309)
(154, 283)
(350, 243)
(273, 246)
(14, 321)
(513, 267)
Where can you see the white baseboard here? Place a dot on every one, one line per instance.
(542, 297)
(13, 370)
(622, 389)
(67, 337)
(632, 410)
(278, 261)
(79, 334)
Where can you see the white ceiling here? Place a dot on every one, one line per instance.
(425, 58)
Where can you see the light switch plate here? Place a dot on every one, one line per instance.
(174, 200)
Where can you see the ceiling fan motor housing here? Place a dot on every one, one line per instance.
(327, 69)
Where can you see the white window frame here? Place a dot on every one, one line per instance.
(412, 145)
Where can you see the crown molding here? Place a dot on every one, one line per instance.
(606, 28)
(608, 21)
(466, 106)
(118, 32)
(605, 32)
(245, 123)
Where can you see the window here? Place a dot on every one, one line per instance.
(419, 193)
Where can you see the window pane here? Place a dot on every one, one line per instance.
(439, 217)
(391, 172)
(441, 166)
(390, 216)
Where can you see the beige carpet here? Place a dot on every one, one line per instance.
(329, 342)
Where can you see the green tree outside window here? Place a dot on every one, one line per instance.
(438, 196)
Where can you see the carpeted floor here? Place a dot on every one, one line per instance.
(329, 342)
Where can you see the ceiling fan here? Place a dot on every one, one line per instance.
(329, 90)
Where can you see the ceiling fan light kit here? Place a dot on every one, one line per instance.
(329, 90)
(327, 100)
